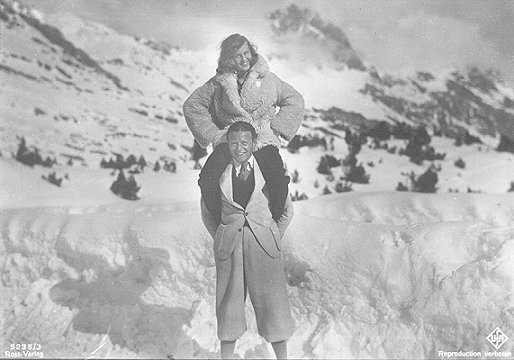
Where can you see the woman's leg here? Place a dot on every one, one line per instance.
(272, 168)
(227, 349)
(280, 348)
(209, 179)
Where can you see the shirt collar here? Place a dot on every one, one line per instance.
(250, 162)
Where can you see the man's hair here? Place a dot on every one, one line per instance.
(228, 47)
(242, 126)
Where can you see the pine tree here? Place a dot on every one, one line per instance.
(352, 172)
(350, 160)
(120, 162)
(511, 189)
(131, 189)
(326, 163)
(297, 197)
(22, 149)
(47, 162)
(126, 189)
(142, 163)
(131, 160)
(295, 178)
(111, 164)
(323, 167)
(343, 186)
(118, 184)
(31, 158)
(357, 174)
(460, 163)
(37, 159)
(401, 187)
(426, 182)
(52, 179)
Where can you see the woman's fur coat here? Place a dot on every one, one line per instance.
(213, 107)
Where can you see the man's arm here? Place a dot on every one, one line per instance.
(286, 217)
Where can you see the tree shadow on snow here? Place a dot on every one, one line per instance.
(110, 300)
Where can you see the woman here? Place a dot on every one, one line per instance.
(244, 89)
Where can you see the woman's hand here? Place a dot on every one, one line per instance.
(220, 137)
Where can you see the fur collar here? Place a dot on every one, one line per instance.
(242, 104)
(257, 71)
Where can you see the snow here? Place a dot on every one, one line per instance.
(385, 173)
(327, 87)
(433, 272)
(375, 274)
(372, 273)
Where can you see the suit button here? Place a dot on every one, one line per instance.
(246, 213)
(240, 230)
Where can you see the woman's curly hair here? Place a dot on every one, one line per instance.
(227, 49)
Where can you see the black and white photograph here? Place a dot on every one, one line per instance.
(286, 179)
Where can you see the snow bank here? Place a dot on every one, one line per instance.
(401, 208)
(400, 291)
(139, 280)
(135, 274)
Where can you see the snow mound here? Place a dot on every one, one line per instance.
(390, 291)
(402, 208)
(139, 281)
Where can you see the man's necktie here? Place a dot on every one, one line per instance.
(244, 172)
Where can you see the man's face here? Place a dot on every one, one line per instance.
(241, 59)
(240, 144)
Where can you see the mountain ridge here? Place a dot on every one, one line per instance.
(152, 78)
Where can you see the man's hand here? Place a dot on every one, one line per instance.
(286, 217)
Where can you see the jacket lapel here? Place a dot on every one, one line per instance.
(259, 180)
(226, 185)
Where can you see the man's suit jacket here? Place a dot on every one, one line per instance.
(233, 217)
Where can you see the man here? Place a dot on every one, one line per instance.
(247, 250)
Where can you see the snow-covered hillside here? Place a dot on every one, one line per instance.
(138, 280)
(83, 91)
(372, 273)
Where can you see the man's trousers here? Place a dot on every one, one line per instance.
(250, 269)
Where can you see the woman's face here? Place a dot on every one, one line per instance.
(241, 59)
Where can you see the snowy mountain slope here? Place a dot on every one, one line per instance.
(472, 101)
(69, 107)
(371, 274)
(129, 91)
(54, 94)
(475, 100)
(294, 25)
(138, 281)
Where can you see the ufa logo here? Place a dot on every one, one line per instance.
(497, 338)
